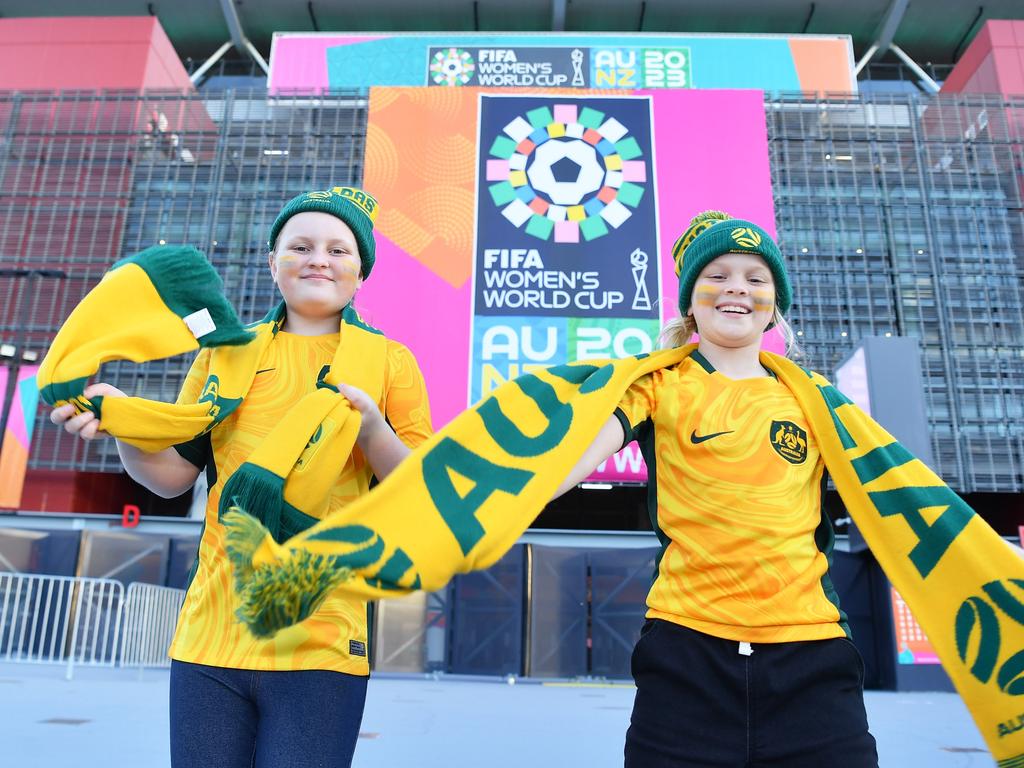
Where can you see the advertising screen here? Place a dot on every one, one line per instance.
(522, 228)
(325, 61)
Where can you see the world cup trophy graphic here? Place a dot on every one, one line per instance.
(638, 260)
(577, 68)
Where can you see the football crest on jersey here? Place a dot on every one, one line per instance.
(789, 441)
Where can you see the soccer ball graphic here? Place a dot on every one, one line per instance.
(566, 171)
(452, 66)
(979, 637)
(582, 174)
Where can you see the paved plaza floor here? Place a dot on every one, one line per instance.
(117, 718)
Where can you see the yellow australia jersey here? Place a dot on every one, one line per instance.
(734, 493)
(334, 637)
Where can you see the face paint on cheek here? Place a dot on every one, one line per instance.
(706, 297)
(764, 298)
(285, 258)
(348, 278)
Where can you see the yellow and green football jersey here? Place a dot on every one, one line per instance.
(335, 637)
(734, 493)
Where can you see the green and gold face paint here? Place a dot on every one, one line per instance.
(764, 298)
(347, 275)
(705, 297)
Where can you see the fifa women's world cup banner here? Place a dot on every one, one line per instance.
(565, 264)
(524, 229)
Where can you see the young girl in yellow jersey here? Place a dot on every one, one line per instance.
(295, 699)
(745, 658)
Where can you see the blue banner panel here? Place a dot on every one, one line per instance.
(566, 232)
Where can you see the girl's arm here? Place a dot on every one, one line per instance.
(165, 473)
(607, 442)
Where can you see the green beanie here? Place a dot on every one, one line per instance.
(712, 234)
(353, 206)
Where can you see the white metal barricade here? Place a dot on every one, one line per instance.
(150, 615)
(60, 619)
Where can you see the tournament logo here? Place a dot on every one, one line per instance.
(978, 641)
(566, 172)
(746, 237)
(317, 439)
(452, 66)
(789, 441)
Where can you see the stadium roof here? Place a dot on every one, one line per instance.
(935, 31)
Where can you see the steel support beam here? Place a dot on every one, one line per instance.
(238, 38)
(893, 17)
(558, 8)
(912, 66)
(257, 57)
(196, 76)
(886, 32)
(868, 54)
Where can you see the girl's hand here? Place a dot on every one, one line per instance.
(372, 418)
(85, 425)
(378, 442)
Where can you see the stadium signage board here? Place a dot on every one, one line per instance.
(560, 67)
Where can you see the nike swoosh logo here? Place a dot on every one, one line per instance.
(695, 438)
(265, 370)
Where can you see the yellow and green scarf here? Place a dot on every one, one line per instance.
(166, 301)
(463, 498)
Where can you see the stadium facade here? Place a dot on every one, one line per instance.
(900, 212)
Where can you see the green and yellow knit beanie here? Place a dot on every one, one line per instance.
(353, 206)
(712, 234)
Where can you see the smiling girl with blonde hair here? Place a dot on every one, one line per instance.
(745, 658)
(239, 700)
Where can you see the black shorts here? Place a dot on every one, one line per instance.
(700, 702)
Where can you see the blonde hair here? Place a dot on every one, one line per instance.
(679, 331)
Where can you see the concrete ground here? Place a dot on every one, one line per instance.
(117, 718)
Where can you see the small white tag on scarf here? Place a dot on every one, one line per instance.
(200, 323)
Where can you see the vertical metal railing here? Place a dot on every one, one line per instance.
(78, 621)
(150, 616)
(60, 619)
(904, 214)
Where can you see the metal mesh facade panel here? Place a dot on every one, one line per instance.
(86, 179)
(898, 214)
(903, 215)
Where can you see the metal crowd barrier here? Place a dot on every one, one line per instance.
(81, 621)
(150, 615)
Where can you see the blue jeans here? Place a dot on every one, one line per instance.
(240, 718)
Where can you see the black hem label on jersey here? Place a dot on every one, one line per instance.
(789, 441)
(356, 648)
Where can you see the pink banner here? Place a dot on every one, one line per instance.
(17, 439)
(299, 61)
(711, 152)
(4, 375)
